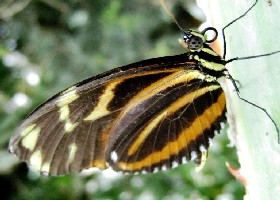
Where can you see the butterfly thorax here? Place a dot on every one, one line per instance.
(208, 61)
(199, 51)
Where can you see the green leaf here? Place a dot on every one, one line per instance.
(256, 137)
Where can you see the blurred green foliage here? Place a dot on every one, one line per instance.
(63, 42)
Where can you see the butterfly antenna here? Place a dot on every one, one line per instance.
(251, 103)
(223, 30)
(162, 2)
(250, 57)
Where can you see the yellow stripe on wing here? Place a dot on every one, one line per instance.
(183, 139)
(183, 101)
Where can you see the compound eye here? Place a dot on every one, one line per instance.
(195, 43)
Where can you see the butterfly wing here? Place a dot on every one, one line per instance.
(167, 124)
(126, 118)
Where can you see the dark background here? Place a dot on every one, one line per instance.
(46, 46)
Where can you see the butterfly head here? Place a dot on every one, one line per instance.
(196, 40)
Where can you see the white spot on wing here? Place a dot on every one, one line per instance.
(64, 113)
(45, 168)
(164, 168)
(30, 140)
(174, 164)
(114, 156)
(27, 130)
(155, 170)
(45, 173)
(193, 155)
(184, 160)
(69, 127)
(36, 160)
(144, 172)
(202, 148)
(67, 98)
(72, 148)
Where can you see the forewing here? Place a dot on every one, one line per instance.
(71, 131)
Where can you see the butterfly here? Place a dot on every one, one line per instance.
(143, 117)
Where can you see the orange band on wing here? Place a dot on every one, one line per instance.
(188, 135)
